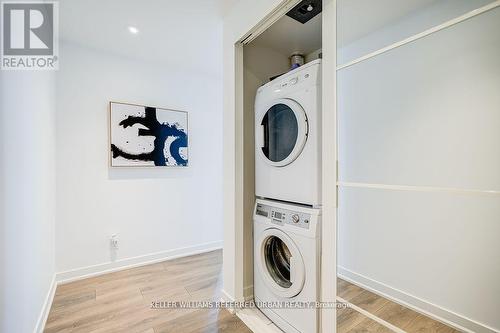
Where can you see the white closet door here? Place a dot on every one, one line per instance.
(427, 113)
(442, 248)
(385, 22)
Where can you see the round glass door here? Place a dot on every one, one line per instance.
(284, 127)
(277, 257)
(280, 263)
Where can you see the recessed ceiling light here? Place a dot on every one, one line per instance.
(133, 30)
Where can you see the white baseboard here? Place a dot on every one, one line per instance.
(44, 314)
(226, 297)
(96, 270)
(253, 318)
(100, 269)
(256, 321)
(434, 311)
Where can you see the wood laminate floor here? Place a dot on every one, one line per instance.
(407, 320)
(121, 302)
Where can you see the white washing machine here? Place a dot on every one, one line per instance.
(288, 137)
(287, 264)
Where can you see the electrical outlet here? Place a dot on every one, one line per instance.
(114, 241)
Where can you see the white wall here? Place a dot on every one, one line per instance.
(27, 135)
(425, 115)
(242, 17)
(264, 63)
(151, 209)
(259, 64)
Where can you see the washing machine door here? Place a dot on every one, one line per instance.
(280, 263)
(282, 132)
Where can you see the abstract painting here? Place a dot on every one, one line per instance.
(147, 136)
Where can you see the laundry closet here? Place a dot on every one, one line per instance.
(418, 153)
(282, 165)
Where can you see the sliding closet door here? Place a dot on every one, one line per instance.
(419, 171)
(365, 26)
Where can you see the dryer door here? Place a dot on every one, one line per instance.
(280, 263)
(281, 132)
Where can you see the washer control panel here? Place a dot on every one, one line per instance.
(283, 216)
(289, 82)
(305, 77)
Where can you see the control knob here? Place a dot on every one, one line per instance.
(295, 218)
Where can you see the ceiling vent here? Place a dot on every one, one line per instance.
(305, 10)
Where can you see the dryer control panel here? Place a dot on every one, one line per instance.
(283, 216)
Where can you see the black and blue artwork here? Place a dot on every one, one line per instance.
(147, 136)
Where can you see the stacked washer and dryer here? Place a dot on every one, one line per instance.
(287, 213)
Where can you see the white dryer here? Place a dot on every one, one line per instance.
(288, 137)
(287, 264)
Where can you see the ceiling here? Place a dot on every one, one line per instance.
(357, 18)
(288, 36)
(179, 33)
(189, 33)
